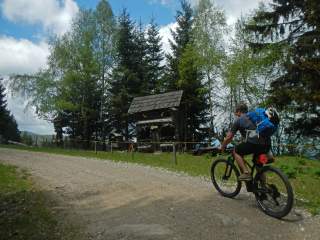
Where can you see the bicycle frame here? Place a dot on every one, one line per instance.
(251, 186)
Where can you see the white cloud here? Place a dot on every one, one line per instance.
(165, 34)
(21, 56)
(163, 2)
(54, 15)
(234, 8)
(26, 117)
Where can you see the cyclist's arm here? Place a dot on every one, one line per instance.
(235, 127)
(227, 140)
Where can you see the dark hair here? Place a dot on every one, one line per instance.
(242, 107)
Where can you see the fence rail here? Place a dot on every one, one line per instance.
(309, 150)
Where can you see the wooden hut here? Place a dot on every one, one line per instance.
(157, 119)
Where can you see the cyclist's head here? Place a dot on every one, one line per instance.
(241, 108)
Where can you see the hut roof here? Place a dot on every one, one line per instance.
(155, 102)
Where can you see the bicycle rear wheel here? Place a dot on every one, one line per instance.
(224, 176)
(274, 193)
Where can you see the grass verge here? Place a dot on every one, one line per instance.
(304, 174)
(24, 211)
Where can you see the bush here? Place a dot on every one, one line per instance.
(289, 171)
(302, 162)
(317, 172)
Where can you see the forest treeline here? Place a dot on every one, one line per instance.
(8, 125)
(269, 57)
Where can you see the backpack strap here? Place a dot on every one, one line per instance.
(250, 133)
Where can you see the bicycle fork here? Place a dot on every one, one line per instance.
(227, 172)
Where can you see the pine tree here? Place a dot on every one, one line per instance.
(295, 25)
(3, 101)
(3, 109)
(12, 131)
(141, 63)
(8, 125)
(181, 37)
(154, 60)
(127, 82)
(194, 102)
(184, 72)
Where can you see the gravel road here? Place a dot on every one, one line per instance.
(126, 201)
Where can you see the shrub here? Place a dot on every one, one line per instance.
(302, 162)
(317, 172)
(289, 171)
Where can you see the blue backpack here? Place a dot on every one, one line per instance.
(266, 125)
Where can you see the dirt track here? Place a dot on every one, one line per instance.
(125, 201)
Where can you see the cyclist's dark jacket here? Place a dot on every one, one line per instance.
(242, 124)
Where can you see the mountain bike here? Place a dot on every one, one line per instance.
(271, 187)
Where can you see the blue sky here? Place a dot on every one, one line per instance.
(144, 9)
(163, 12)
(25, 26)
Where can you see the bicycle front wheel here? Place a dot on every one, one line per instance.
(224, 176)
(274, 193)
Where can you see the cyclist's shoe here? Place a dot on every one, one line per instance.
(245, 177)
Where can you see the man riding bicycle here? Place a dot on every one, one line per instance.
(252, 143)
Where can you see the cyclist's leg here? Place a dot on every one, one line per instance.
(239, 152)
(262, 149)
(240, 162)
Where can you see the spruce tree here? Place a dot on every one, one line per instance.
(126, 77)
(3, 101)
(194, 102)
(3, 109)
(183, 72)
(294, 25)
(8, 125)
(181, 37)
(154, 60)
(141, 63)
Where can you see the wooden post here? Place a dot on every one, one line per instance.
(95, 147)
(174, 153)
(130, 149)
(132, 154)
(111, 147)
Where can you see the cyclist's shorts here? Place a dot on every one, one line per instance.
(247, 148)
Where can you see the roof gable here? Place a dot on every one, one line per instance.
(154, 102)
